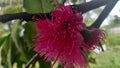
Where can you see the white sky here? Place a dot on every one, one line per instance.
(116, 10)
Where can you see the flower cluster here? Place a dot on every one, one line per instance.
(63, 38)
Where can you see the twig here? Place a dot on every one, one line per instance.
(33, 59)
(85, 7)
(22, 15)
(104, 14)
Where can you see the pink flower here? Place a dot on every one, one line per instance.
(97, 36)
(60, 39)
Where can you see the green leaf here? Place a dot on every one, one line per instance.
(74, 1)
(9, 9)
(37, 6)
(6, 52)
(9, 57)
(3, 37)
(29, 33)
(44, 64)
(14, 33)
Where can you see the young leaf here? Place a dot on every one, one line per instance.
(37, 6)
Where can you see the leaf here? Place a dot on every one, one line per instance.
(74, 1)
(9, 57)
(37, 6)
(44, 64)
(3, 37)
(29, 33)
(9, 9)
(14, 33)
(17, 46)
(6, 52)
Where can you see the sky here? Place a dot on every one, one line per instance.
(116, 9)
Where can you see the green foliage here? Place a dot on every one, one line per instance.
(37, 6)
(9, 9)
(108, 59)
(113, 40)
(114, 23)
(16, 45)
(29, 33)
(3, 37)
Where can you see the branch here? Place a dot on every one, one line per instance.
(104, 14)
(33, 59)
(22, 15)
(85, 7)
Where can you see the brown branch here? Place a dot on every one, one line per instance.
(104, 14)
(23, 15)
(32, 60)
(85, 7)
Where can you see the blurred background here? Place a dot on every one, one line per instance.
(16, 35)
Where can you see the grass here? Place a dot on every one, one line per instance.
(108, 59)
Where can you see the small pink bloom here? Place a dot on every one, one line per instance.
(94, 41)
(59, 39)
